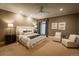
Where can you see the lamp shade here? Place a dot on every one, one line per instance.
(10, 25)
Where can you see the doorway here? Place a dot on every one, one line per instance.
(43, 27)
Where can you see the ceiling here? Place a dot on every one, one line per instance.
(32, 9)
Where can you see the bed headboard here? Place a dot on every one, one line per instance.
(21, 29)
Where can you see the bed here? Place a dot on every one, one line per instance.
(27, 37)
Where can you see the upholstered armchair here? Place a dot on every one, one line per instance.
(57, 37)
(72, 41)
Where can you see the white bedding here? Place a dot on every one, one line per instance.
(30, 42)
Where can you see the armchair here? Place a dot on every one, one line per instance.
(57, 37)
(71, 41)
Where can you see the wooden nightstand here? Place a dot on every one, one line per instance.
(10, 39)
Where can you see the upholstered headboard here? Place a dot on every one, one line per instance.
(22, 29)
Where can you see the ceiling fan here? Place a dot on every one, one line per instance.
(42, 12)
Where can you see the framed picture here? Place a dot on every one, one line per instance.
(62, 26)
(54, 25)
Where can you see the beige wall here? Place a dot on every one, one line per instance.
(71, 24)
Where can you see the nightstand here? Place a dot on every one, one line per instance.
(10, 39)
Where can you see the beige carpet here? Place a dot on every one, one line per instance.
(45, 48)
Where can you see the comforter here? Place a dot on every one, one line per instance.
(30, 40)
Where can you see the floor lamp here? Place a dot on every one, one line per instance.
(10, 26)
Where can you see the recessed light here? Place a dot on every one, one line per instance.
(61, 9)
